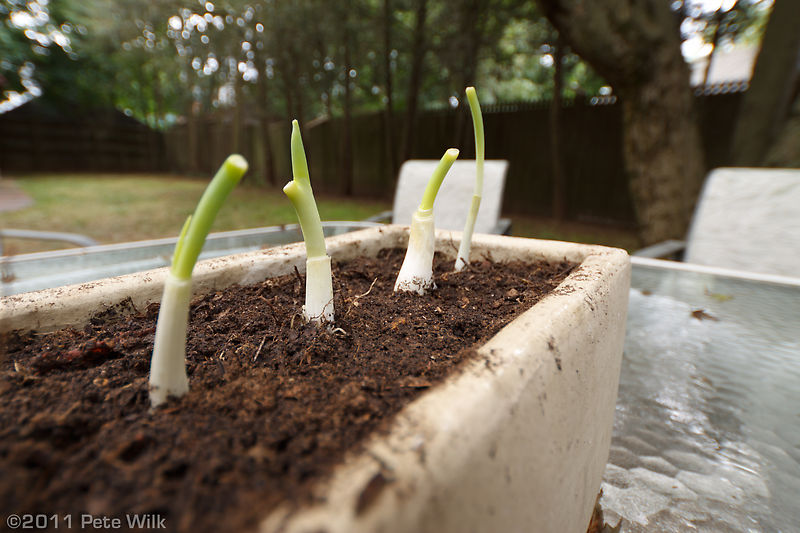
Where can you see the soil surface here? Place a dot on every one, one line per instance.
(273, 404)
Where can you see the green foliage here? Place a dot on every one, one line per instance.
(523, 67)
(300, 59)
(46, 51)
(732, 22)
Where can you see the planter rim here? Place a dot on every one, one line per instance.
(54, 308)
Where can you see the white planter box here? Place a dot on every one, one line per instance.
(518, 441)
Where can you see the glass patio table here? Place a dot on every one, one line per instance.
(707, 425)
(32, 272)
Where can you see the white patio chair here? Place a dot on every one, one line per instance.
(746, 219)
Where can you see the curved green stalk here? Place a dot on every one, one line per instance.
(168, 363)
(435, 181)
(462, 258)
(302, 197)
(299, 163)
(181, 239)
(416, 272)
(196, 229)
(319, 282)
(480, 151)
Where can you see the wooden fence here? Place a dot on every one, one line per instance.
(37, 139)
(596, 185)
(592, 161)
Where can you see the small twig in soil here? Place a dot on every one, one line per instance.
(291, 323)
(271, 309)
(452, 244)
(221, 353)
(255, 358)
(355, 303)
(368, 290)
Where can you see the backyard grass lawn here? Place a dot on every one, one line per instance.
(129, 207)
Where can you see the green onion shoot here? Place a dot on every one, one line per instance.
(416, 274)
(168, 365)
(462, 259)
(319, 285)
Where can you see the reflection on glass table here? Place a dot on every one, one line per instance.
(707, 425)
(32, 272)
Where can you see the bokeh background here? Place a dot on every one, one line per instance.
(114, 113)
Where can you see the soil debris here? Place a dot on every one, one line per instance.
(274, 404)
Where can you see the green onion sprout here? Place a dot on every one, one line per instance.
(319, 284)
(168, 365)
(416, 273)
(462, 259)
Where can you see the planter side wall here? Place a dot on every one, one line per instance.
(547, 429)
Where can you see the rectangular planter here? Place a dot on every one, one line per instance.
(517, 441)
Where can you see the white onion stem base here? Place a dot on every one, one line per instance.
(168, 365)
(319, 290)
(416, 274)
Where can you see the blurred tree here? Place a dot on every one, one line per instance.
(469, 30)
(40, 43)
(715, 24)
(164, 61)
(388, 55)
(636, 47)
(420, 43)
(559, 202)
(156, 60)
(774, 86)
(521, 66)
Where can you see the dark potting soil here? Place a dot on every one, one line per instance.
(273, 404)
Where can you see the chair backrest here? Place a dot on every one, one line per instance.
(748, 219)
(454, 198)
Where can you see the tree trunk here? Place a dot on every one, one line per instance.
(418, 50)
(559, 181)
(766, 103)
(391, 149)
(714, 43)
(192, 137)
(237, 122)
(263, 97)
(287, 76)
(347, 148)
(635, 46)
(469, 36)
(662, 151)
(786, 150)
(294, 86)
